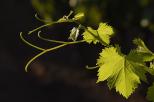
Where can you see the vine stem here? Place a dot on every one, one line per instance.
(45, 25)
(45, 21)
(49, 24)
(39, 19)
(56, 41)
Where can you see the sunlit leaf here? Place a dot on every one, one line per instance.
(89, 37)
(102, 34)
(120, 71)
(105, 31)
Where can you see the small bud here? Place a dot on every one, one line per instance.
(74, 34)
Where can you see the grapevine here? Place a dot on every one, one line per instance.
(124, 72)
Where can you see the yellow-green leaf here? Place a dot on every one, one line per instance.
(89, 37)
(79, 16)
(105, 31)
(102, 34)
(120, 71)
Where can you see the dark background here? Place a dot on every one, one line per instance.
(61, 76)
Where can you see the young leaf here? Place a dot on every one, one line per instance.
(142, 52)
(141, 47)
(103, 34)
(74, 34)
(78, 16)
(105, 31)
(120, 71)
(150, 93)
(89, 37)
(141, 56)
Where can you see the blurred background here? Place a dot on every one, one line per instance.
(61, 76)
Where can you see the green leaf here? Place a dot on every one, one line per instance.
(105, 31)
(120, 71)
(89, 37)
(102, 34)
(143, 54)
(150, 93)
(141, 47)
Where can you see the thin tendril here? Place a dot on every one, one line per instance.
(42, 20)
(30, 44)
(48, 24)
(43, 52)
(87, 67)
(45, 25)
(49, 40)
(56, 41)
(39, 19)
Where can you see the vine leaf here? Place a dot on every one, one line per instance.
(150, 93)
(142, 52)
(120, 71)
(103, 32)
(141, 47)
(89, 37)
